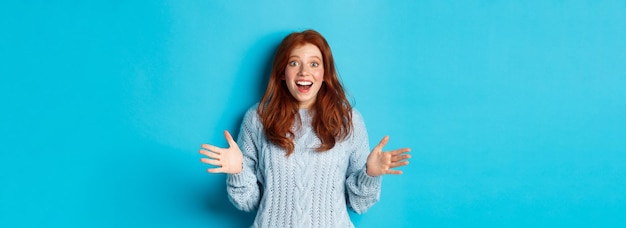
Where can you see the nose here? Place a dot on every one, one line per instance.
(304, 70)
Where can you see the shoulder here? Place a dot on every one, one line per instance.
(356, 116)
(252, 116)
(253, 109)
(358, 134)
(358, 124)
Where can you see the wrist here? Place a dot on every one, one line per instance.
(371, 172)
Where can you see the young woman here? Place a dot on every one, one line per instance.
(302, 153)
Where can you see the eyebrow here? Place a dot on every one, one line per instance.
(315, 56)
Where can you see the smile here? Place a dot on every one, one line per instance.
(304, 86)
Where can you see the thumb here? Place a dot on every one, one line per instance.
(229, 139)
(381, 144)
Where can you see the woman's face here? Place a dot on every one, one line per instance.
(304, 74)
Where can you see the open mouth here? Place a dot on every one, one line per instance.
(304, 86)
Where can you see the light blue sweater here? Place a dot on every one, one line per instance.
(308, 188)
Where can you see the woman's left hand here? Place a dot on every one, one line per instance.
(380, 163)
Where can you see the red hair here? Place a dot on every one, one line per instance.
(278, 109)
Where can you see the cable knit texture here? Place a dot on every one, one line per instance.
(308, 188)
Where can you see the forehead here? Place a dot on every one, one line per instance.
(306, 49)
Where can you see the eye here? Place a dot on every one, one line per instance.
(293, 63)
(315, 64)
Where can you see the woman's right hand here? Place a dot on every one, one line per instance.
(229, 160)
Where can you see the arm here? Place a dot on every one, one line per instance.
(243, 190)
(363, 183)
(362, 190)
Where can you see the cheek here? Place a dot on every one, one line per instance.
(288, 74)
(319, 75)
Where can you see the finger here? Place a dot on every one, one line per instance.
(382, 143)
(399, 151)
(205, 146)
(208, 153)
(395, 172)
(215, 170)
(398, 164)
(400, 157)
(211, 154)
(211, 161)
(229, 139)
(212, 148)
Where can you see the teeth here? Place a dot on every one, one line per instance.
(304, 83)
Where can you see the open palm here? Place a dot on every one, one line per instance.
(380, 163)
(229, 160)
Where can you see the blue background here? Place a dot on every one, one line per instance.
(515, 110)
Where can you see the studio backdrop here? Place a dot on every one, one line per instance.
(515, 111)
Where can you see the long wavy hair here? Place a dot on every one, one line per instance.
(279, 110)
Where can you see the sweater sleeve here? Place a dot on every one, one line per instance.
(243, 188)
(362, 190)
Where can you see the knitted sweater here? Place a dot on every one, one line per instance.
(308, 188)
